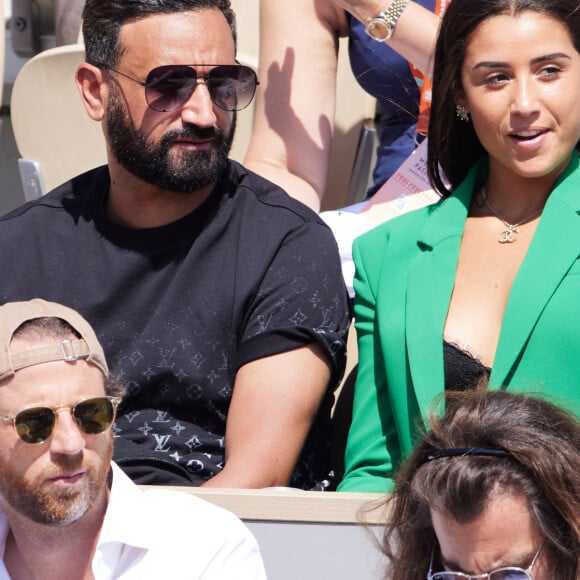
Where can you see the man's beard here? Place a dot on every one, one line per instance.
(152, 162)
(47, 504)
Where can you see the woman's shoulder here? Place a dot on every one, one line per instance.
(404, 229)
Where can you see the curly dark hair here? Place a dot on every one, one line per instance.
(102, 20)
(542, 464)
(453, 144)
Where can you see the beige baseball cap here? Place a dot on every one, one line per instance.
(13, 314)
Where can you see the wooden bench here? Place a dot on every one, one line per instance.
(308, 535)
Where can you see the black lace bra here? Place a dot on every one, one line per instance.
(462, 370)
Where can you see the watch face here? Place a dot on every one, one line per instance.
(378, 29)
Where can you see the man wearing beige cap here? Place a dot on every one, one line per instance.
(67, 511)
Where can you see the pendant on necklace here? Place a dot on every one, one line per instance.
(509, 236)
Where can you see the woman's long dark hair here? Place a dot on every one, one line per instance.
(453, 144)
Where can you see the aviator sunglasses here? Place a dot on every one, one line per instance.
(507, 573)
(231, 86)
(35, 424)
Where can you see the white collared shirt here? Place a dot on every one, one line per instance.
(157, 533)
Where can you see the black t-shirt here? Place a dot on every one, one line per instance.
(180, 308)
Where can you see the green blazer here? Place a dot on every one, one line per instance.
(405, 271)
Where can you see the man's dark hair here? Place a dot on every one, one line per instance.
(102, 21)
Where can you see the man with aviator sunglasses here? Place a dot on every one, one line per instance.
(67, 511)
(218, 298)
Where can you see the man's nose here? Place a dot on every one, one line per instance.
(199, 108)
(66, 437)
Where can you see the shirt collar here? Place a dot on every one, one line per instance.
(125, 520)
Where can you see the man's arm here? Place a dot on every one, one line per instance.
(274, 402)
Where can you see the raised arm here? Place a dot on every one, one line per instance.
(295, 106)
(415, 31)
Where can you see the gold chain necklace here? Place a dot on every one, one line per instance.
(508, 235)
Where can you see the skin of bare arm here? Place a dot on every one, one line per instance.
(274, 402)
(294, 118)
(415, 32)
(295, 107)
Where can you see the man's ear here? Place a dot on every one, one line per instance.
(93, 90)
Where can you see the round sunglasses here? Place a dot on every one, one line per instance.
(231, 86)
(507, 573)
(35, 424)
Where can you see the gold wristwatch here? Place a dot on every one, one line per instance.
(382, 26)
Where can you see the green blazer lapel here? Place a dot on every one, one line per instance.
(553, 250)
(429, 287)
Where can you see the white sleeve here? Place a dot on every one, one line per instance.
(238, 558)
(346, 225)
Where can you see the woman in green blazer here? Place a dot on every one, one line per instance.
(488, 280)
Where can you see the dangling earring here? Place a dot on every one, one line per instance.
(462, 113)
